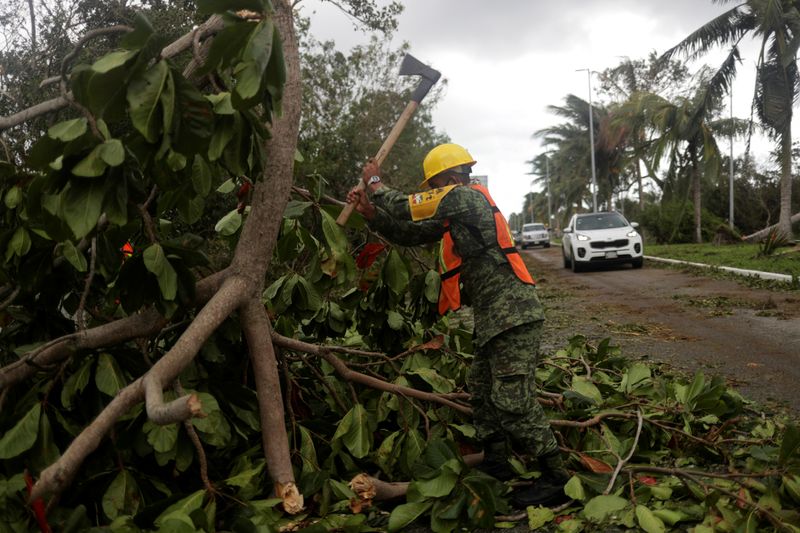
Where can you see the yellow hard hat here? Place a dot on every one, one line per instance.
(444, 157)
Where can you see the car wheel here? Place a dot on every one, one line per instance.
(638, 262)
(524, 246)
(547, 245)
(576, 266)
(567, 262)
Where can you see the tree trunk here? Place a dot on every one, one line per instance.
(784, 221)
(760, 234)
(640, 186)
(697, 201)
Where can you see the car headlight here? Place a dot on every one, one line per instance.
(582, 237)
(632, 233)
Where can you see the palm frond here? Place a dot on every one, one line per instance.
(729, 27)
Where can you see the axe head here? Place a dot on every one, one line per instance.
(412, 66)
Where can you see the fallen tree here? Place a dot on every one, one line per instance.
(762, 233)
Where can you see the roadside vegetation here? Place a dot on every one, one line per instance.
(747, 256)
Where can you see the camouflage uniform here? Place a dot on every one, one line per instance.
(508, 315)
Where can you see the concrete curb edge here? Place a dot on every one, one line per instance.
(786, 278)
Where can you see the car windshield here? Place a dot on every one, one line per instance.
(600, 221)
(533, 227)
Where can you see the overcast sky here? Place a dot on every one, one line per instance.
(507, 60)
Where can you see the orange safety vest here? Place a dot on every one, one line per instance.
(450, 261)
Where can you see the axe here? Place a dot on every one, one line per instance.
(411, 66)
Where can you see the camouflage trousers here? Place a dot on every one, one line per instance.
(502, 382)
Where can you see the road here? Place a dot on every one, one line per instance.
(689, 322)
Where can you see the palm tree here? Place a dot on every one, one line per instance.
(653, 75)
(686, 131)
(777, 24)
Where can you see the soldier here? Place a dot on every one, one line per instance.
(478, 254)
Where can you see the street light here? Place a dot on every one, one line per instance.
(547, 173)
(591, 139)
(730, 178)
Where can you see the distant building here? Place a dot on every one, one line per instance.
(481, 180)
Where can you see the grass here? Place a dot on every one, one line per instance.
(783, 261)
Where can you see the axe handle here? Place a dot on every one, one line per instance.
(380, 157)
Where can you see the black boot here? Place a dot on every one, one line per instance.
(548, 489)
(495, 461)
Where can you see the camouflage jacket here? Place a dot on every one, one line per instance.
(499, 300)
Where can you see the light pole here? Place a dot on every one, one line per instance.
(591, 139)
(730, 177)
(547, 173)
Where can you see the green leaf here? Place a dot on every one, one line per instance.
(539, 516)
(414, 444)
(223, 133)
(308, 452)
(599, 507)
(74, 256)
(161, 438)
(670, 516)
(156, 262)
(112, 152)
(109, 378)
(221, 103)
(22, 436)
(636, 376)
(648, 521)
(395, 320)
(167, 99)
(226, 187)
(20, 243)
(76, 383)
(295, 209)
(92, 165)
(583, 386)
(255, 58)
(113, 60)
(201, 176)
(13, 197)
(395, 273)
(144, 95)
(122, 496)
(432, 284)
(386, 455)
(406, 513)
(68, 130)
(437, 382)
(81, 205)
(334, 234)
(187, 505)
(229, 224)
(574, 489)
(437, 487)
(354, 431)
(790, 444)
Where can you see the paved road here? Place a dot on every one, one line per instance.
(751, 336)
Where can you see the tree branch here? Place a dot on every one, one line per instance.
(270, 404)
(357, 377)
(143, 324)
(622, 462)
(208, 28)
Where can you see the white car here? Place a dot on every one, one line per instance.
(601, 238)
(533, 234)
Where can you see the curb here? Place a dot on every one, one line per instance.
(786, 278)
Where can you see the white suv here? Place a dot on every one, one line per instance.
(533, 234)
(595, 238)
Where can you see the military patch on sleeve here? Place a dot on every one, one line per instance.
(424, 204)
